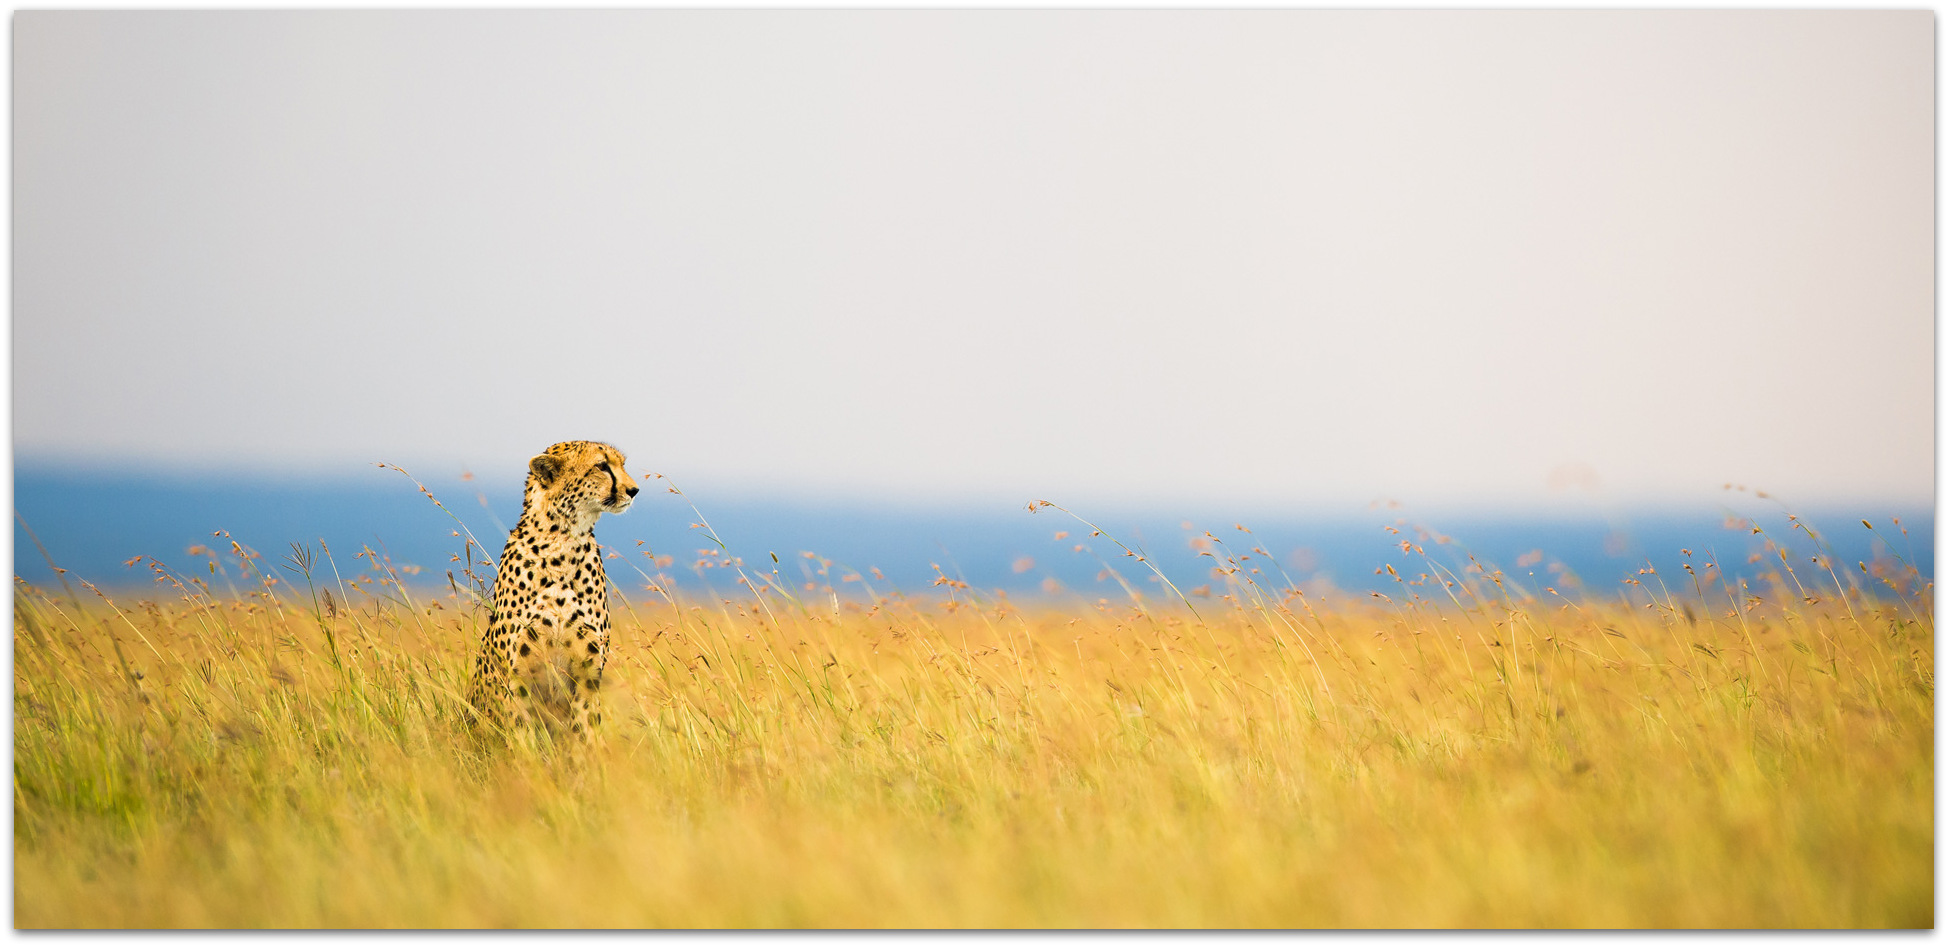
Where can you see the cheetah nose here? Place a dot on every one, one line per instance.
(633, 490)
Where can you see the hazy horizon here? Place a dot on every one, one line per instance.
(1550, 501)
(92, 523)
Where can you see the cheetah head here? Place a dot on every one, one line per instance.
(587, 477)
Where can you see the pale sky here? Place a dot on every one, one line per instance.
(1287, 258)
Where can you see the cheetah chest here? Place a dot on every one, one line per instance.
(560, 643)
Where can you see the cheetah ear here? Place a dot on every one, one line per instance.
(546, 468)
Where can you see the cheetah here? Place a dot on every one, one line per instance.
(548, 637)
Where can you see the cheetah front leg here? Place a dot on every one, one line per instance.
(525, 672)
(585, 684)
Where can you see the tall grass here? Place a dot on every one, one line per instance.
(288, 751)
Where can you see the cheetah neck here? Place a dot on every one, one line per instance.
(552, 520)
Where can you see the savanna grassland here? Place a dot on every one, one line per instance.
(258, 743)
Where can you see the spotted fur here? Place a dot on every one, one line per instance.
(548, 638)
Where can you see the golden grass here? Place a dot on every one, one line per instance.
(1463, 754)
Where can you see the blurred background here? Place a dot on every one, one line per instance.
(1566, 288)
